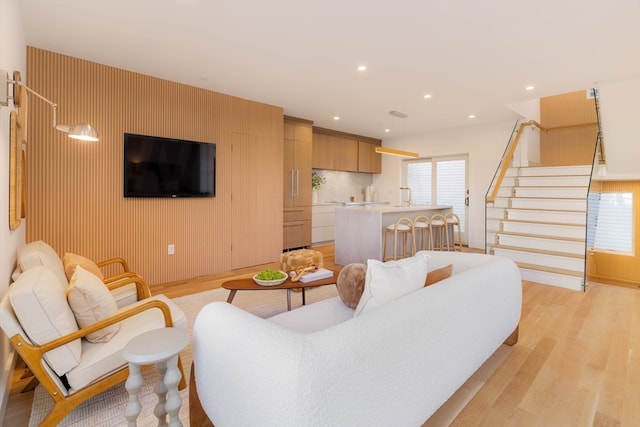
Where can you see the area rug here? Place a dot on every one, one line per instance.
(107, 408)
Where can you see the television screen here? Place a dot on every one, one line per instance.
(164, 167)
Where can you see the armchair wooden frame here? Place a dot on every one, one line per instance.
(112, 262)
(113, 282)
(65, 403)
(121, 261)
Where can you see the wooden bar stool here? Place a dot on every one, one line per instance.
(422, 226)
(403, 227)
(439, 230)
(453, 227)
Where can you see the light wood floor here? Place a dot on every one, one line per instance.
(577, 362)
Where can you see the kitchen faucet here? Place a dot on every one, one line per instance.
(407, 188)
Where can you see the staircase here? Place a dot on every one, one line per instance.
(538, 220)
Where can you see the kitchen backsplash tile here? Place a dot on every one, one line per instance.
(340, 186)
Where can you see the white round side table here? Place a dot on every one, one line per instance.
(160, 347)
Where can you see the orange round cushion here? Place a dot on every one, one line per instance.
(350, 283)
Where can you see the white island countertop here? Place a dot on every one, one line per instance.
(359, 230)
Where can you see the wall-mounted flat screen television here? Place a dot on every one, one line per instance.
(164, 167)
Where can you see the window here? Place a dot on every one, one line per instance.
(439, 181)
(419, 181)
(609, 221)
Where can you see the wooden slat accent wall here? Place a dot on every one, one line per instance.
(612, 268)
(75, 189)
(572, 120)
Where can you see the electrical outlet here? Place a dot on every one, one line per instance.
(171, 249)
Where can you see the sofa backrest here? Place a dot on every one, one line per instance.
(461, 261)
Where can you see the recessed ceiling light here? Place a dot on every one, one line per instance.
(530, 88)
(387, 130)
(336, 117)
(362, 67)
(472, 116)
(427, 96)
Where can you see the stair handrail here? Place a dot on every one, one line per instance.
(600, 141)
(508, 156)
(598, 161)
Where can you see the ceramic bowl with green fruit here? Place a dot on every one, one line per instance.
(270, 277)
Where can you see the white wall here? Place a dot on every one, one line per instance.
(484, 144)
(528, 150)
(12, 57)
(619, 109)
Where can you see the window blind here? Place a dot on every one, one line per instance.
(451, 186)
(420, 182)
(609, 220)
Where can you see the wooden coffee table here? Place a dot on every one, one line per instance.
(249, 285)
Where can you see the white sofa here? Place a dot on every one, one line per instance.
(321, 366)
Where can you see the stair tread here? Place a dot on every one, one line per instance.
(549, 269)
(573, 167)
(540, 198)
(539, 251)
(560, 177)
(568, 174)
(560, 197)
(523, 221)
(573, 173)
(541, 236)
(551, 187)
(546, 210)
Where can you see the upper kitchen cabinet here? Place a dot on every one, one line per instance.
(368, 160)
(339, 151)
(332, 151)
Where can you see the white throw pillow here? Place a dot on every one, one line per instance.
(39, 302)
(91, 301)
(39, 253)
(386, 281)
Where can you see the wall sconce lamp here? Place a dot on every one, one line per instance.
(81, 131)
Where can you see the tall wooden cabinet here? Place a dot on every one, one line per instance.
(298, 136)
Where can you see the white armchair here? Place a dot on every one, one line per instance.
(71, 364)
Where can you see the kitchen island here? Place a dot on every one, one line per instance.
(359, 230)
